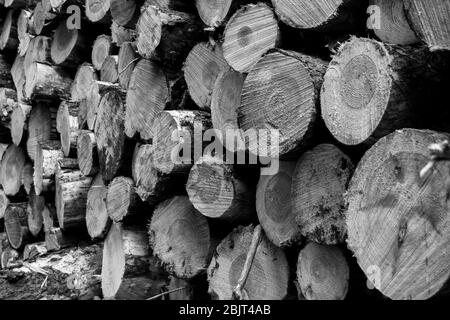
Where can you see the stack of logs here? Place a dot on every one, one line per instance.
(114, 186)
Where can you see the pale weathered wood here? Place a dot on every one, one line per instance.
(203, 64)
(319, 183)
(218, 190)
(397, 222)
(268, 275)
(213, 12)
(122, 199)
(35, 219)
(98, 11)
(281, 95)
(101, 49)
(87, 153)
(180, 238)
(11, 167)
(46, 81)
(322, 272)
(47, 155)
(83, 82)
(41, 127)
(250, 33)
(67, 126)
(97, 220)
(128, 58)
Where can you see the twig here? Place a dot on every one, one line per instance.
(439, 152)
(238, 292)
(166, 293)
(129, 64)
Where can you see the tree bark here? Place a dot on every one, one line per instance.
(38, 51)
(44, 81)
(47, 155)
(6, 81)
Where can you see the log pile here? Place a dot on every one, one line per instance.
(235, 149)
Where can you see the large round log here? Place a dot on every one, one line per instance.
(213, 12)
(96, 91)
(68, 46)
(146, 97)
(430, 21)
(203, 64)
(180, 238)
(319, 183)
(322, 272)
(11, 167)
(122, 199)
(218, 190)
(250, 33)
(370, 89)
(268, 273)
(110, 135)
(125, 13)
(281, 93)
(274, 208)
(398, 222)
(97, 220)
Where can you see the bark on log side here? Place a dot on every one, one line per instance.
(371, 89)
(68, 127)
(429, 20)
(151, 185)
(83, 82)
(393, 27)
(122, 200)
(6, 73)
(201, 69)
(120, 34)
(47, 155)
(178, 5)
(167, 35)
(281, 93)
(8, 101)
(68, 46)
(180, 238)
(97, 220)
(19, 119)
(128, 58)
(9, 258)
(4, 202)
(57, 239)
(16, 225)
(125, 13)
(44, 81)
(126, 257)
(98, 11)
(109, 71)
(178, 131)
(35, 219)
(319, 182)
(147, 95)
(273, 205)
(82, 114)
(110, 135)
(8, 35)
(24, 30)
(87, 153)
(41, 127)
(251, 32)
(397, 222)
(322, 272)
(38, 51)
(70, 197)
(218, 190)
(269, 272)
(11, 167)
(69, 274)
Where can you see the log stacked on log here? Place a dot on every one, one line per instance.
(171, 149)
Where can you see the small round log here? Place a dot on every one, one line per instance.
(102, 48)
(16, 225)
(97, 220)
(87, 153)
(11, 167)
